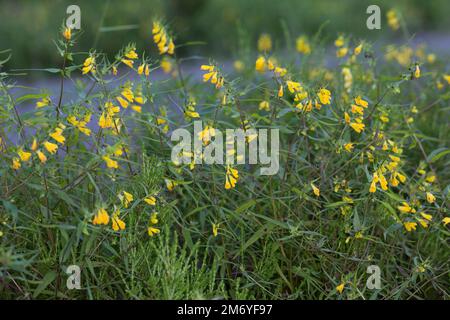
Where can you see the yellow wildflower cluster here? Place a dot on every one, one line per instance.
(161, 38)
(212, 75)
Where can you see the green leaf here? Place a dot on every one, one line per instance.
(437, 154)
(48, 278)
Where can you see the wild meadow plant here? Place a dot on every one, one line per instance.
(363, 174)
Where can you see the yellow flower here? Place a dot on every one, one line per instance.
(141, 68)
(164, 43)
(114, 70)
(43, 102)
(101, 217)
(136, 108)
(361, 102)
(346, 118)
(206, 134)
(89, 65)
(293, 86)
(340, 287)
(105, 121)
(447, 78)
(358, 49)
(264, 105)
(126, 198)
(132, 54)
(166, 65)
(446, 221)
(41, 156)
(409, 226)
(280, 92)
(357, 109)
(231, 177)
(303, 46)
(260, 64)
(151, 200)
(190, 112)
(15, 163)
(170, 184)
(67, 34)
(357, 126)
(264, 43)
(392, 19)
(152, 231)
(215, 229)
(117, 224)
(51, 147)
(324, 96)
(430, 197)
(24, 156)
(281, 72)
(406, 208)
(373, 186)
(428, 217)
(110, 163)
(154, 218)
(57, 135)
(430, 178)
(349, 146)
(341, 52)
(316, 190)
(339, 42)
(171, 47)
(417, 72)
(238, 65)
(128, 62)
(124, 103)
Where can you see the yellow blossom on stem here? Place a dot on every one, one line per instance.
(16, 164)
(170, 184)
(231, 177)
(57, 135)
(215, 229)
(316, 190)
(152, 231)
(24, 155)
(260, 64)
(446, 221)
(51, 147)
(43, 102)
(89, 65)
(151, 200)
(358, 49)
(154, 218)
(117, 224)
(410, 226)
(264, 43)
(324, 96)
(303, 45)
(406, 208)
(101, 217)
(349, 146)
(264, 105)
(42, 157)
(340, 287)
(67, 33)
(126, 198)
(110, 163)
(128, 62)
(430, 197)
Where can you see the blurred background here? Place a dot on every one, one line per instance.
(29, 27)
